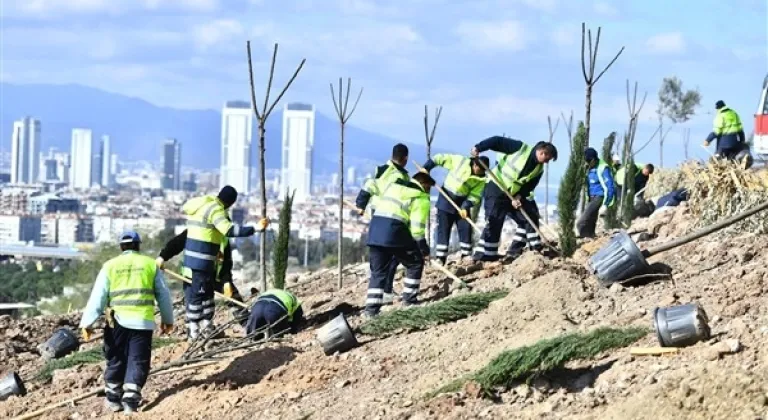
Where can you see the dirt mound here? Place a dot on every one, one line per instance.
(19, 339)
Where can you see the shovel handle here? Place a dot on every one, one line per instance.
(221, 295)
(448, 273)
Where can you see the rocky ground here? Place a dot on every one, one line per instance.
(724, 377)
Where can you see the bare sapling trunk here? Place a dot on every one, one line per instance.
(588, 69)
(429, 137)
(341, 105)
(261, 117)
(552, 131)
(626, 201)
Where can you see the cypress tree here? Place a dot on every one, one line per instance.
(570, 189)
(611, 221)
(280, 253)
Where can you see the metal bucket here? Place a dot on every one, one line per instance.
(62, 342)
(336, 336)
(11, 384)
(618, 260)
(682, 325)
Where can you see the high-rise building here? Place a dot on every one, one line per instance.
(172, 165)
(50, 165)
(113, 166)
(351, 177)
(62, 166)
(298, 139)
(25, 151)
(105, 167)
(81, 158)
(236, 129)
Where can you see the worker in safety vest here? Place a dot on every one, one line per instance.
(385, 174)
(601, 190)
(519, 168)
(728, 131)
(278, 308)
(643, 173)
(464, 184)
(125, 291)
(208, 225)
(397, 230)
(223, 284)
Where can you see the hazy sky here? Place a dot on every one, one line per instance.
(495, 65)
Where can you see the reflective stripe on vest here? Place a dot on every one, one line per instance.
(376, 186)
(510, 166)
(203, 239)
(132, 286)
(461, 182)
(287, 300)
(601, 167)
(187, 272)
(396, 203)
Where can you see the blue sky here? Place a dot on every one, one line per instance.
(496, 66)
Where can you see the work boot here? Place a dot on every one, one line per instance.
(388, 298)
(411, 302)
(509, 258)
(130, 408)
(369, 314)
(193, 331)
(113, 406)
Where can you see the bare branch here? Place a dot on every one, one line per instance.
(335, 105)
(354, 107)
(426, 124)
(609, 64)
(250, 76)
(583, 62)
(346, 99)
(653, 136)
(287, 85)
(271, 76)
(552, 130)
(594, 57)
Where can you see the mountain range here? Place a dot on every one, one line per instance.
(137, 128)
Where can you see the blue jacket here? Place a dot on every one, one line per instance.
(673, 199)
(596, 188)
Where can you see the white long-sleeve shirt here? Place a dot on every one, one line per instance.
(98, 302)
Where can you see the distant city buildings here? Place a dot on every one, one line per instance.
(171, 165)
(105, 167)
(298, 140)
(236, 130)
(25, 151)
(351, 180)
(81, 159)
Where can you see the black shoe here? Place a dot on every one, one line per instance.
(509, 258)
(411, 302)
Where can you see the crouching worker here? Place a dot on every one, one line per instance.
(278, 308)
(125, 292)
(397, 231)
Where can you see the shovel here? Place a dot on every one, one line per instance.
(622, 259)
(447, 197)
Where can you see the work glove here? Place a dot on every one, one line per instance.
(474, 152)
(424, 170)
(263, 223)
(166, 328)
(227, 290)
(705, 144)
(602, 210)
(516, 203)
(463, 213)
(86, 333)
(160, 262)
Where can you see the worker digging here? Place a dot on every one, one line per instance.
(519, 171)
(207, 225)
(125, 292)
(464, 186)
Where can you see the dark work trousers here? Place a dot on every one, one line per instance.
(268, 312)
(128, 353)
(525, 234)
(380, 260)
(496, 211)
(391, 271)
(198, 297)
(445, 222)
(729, 153)
(588, 221)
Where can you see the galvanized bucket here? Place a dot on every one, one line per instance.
(682, 325)
(62, 342)
(618, 260)
(336, 336)
(11, 384)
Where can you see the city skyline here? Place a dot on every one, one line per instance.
(171, 165)
(81, 159)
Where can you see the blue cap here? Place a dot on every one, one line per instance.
(129, 236)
